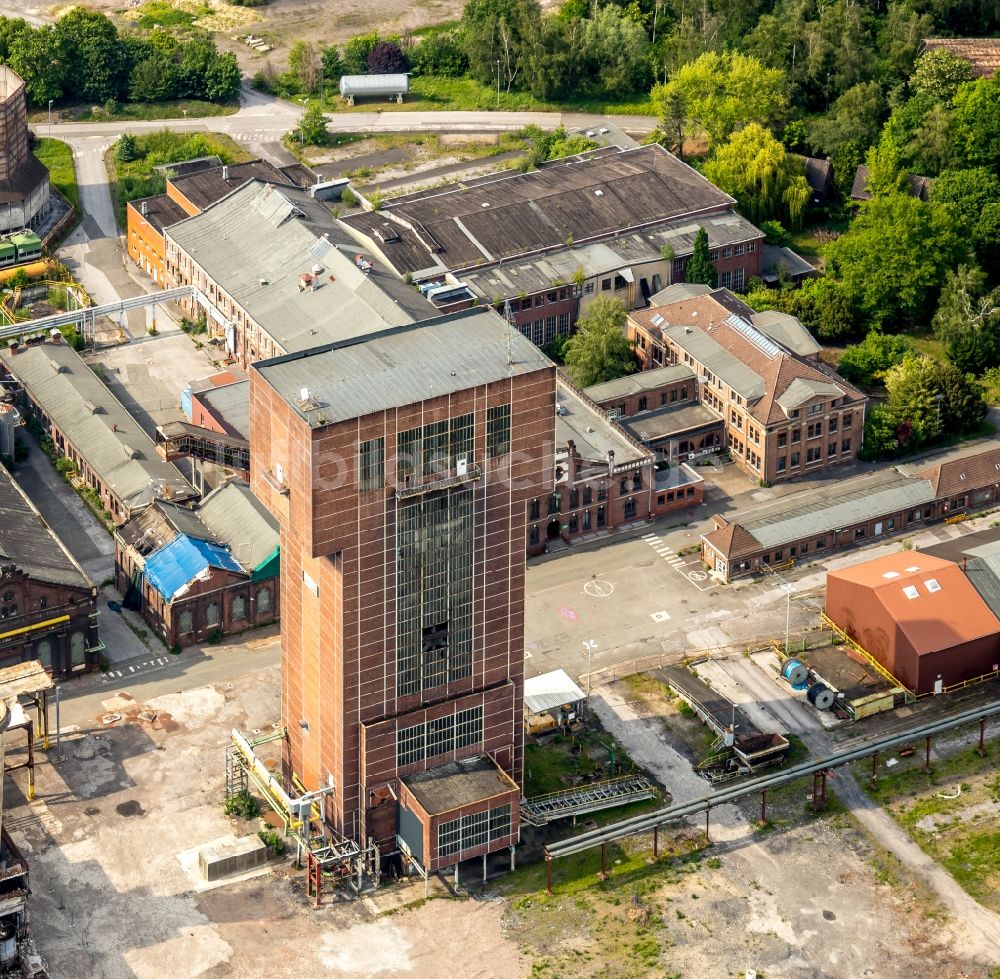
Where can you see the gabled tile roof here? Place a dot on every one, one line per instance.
(968, 473)
(734, 542)
(982, 52)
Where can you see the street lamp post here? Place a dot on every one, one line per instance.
(789, 590)
(50, 115)
(590, 646)
(498, 84)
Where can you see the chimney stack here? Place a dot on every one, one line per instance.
(225, 174)
(142, 208)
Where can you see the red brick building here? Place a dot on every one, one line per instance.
(785, 413)
(48, 604)
(400, 466)
(606, 479)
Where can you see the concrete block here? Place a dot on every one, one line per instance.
(234, 855)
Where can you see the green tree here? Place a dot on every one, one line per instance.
(95, 63)
(312, 126)
(439, 54)
(827, 308)
(977, 123)
(333, 67)
(722, 92)
(153, 79)
(968, 192)
(700, 267)
(553, 58)
(938, 73)
(618, 51)
(498, 31)
(766, 180)
(895, 255)
(854, 121)
(307, 65)
(37, 56)
(126, 148)
(968, 320)
(356, 51)
(222, 79)
(866, 362)
(987, 240)
(600, 349)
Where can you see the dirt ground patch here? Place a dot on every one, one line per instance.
(111, 898)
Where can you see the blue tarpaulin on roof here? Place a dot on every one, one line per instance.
(178, 563)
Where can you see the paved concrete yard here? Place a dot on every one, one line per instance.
(148, 374)
(111, 898)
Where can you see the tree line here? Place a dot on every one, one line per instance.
(84, 57)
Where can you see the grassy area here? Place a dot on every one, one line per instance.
(136, 111)
(58, 159)
(950, 811)
(137, 178)
(924, 342)
(156, 13)
(437, 93)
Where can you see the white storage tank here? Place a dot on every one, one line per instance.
(392, 87)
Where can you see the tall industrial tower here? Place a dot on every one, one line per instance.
(399, 466)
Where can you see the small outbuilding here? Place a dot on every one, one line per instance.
(391, 87)
(551, 700)
(919, 616)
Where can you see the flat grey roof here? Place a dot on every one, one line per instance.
(231, 404)
(671, 421)
(259, 241)
(842, 504)
(29, 544)
(638, 382)
(458, 783)
(718, 360)
(402, 366)
(593, 435)
(106, 435)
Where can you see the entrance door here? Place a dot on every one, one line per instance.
(878, 528)
(552, 531)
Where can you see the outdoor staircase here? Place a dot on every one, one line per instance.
(576, 801)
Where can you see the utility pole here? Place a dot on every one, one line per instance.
(589, 645)
(498, 84)
(789, 589)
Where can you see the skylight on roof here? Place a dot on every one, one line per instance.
(910, 591)
(932, 585)
(761, 342)
(656, 320)
(912, 568)
(891, 574)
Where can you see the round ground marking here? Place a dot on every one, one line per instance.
(697, 575)
(598, 588)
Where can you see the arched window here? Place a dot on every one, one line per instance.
(186, 622)
(264, 600)
(212, 614)
(43, 653)
(238, 609)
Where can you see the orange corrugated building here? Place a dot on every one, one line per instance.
(919, 616)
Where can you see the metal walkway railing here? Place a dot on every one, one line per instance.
(576, 801)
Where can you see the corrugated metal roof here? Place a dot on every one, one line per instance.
(238, 520)
(175, 565)
(107, 436)
(820, 511)
(29, 544)
(718, 360)
(259, 240)
(403, 366)
(550, 690)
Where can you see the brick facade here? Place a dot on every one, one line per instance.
(344, 694)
